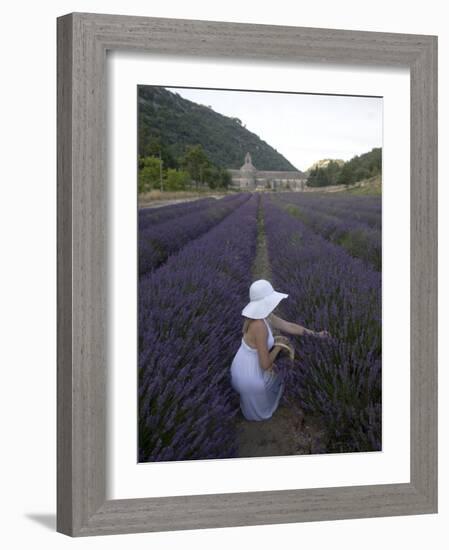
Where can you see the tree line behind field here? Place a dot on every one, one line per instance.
(359, 168)
(193, 170)
(183, 145)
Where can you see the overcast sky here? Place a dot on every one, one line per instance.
(304, 128)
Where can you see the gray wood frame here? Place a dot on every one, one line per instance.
(83, 39)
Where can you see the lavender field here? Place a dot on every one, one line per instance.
(196, 263)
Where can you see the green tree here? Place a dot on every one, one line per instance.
(332, 170)
(318, 177)
(196, 163)
(177, 180)
(312, 179)
(361, 167)
(149, 174)
(358, 168)
(345, 177)
(225, 178)
(210, 176)
(154, 147)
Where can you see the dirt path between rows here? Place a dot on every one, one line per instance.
(289, 431)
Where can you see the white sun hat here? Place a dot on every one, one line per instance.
(263, 299)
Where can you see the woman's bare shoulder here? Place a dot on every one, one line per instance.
(258, 326)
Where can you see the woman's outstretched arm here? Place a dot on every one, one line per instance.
(293, 328)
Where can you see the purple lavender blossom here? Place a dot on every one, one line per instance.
(337, 378)
(189, 330)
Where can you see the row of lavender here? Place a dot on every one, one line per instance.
(154, 216)
(366, 209)
(337, 378)
(189, 329)
(358, 237)
(157, 241)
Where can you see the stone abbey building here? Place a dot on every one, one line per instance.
(249, 178)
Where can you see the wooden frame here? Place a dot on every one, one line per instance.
(83, 40)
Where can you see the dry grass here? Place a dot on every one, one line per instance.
(171, 195)
(372, 186)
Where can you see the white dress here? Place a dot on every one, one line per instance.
(260, 390)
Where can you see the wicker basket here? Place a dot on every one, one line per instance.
(286, 347)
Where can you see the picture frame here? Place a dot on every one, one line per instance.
(82, 355)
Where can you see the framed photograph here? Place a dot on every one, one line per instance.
(247, 274)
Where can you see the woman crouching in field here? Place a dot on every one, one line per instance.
(260, 388)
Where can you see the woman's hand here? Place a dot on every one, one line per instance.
(295, 329)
